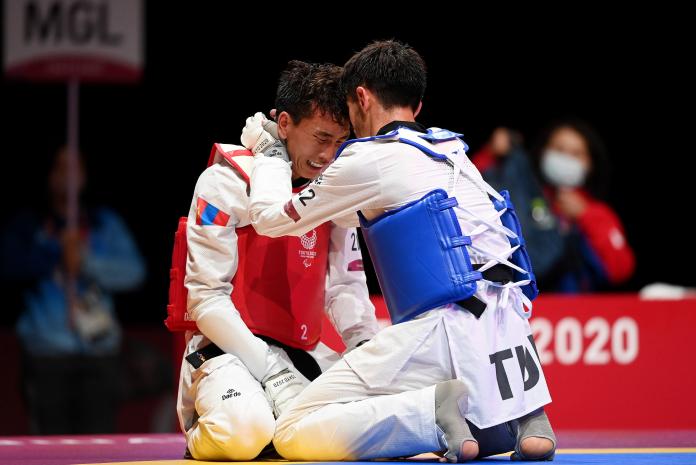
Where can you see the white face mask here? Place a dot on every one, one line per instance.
(563, 170)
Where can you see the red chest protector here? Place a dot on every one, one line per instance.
(279, 284)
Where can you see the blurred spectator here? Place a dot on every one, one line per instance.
(504, 164)
(573, 162)
(67, 329)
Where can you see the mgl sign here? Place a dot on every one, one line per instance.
(84, 40)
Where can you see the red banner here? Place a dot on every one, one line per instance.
(611, 362)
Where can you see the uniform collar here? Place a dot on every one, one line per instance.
(397, 124)
(299, 182)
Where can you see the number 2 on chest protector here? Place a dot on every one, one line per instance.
(526, 364)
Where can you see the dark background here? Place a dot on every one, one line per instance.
(210, 66)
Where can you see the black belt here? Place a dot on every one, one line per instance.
(305, 363)
(198, 357)
(300, 359)
(497, 273)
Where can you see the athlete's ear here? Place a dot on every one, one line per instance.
(363, 97)
(418, 109)
(284, 121)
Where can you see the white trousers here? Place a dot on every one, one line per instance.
(379, 401)
(223, 409)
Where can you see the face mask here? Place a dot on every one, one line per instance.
(562, 170)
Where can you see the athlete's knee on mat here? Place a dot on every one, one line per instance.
(288, 431)
(244, 441)
(294, 443)
(304, 450)
(286, 440)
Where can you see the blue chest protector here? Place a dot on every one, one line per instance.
(419, 252)
(419, 256)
